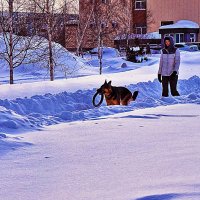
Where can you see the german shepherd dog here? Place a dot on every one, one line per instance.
(116, 95)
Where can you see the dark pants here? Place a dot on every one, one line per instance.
(166, 80)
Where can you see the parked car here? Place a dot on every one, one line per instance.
(155, 48)
(186, 47)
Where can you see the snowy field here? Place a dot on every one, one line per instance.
(55, 145)
(148, 154)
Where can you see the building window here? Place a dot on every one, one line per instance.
(140, 4)
(140, 29)
(192, 37)
(179, 37)
(164, 23)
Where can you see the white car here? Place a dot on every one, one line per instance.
(186, 47)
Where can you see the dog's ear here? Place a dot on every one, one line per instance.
(105, 82)
(109, 83)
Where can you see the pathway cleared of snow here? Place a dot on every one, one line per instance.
(140, 155)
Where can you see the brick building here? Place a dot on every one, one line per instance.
(116, 21)
(105, 19)
(147, 16)
(110, 19)
(29, 24)
(180, 19)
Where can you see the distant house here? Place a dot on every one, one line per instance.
(181, 31)
(176, 12)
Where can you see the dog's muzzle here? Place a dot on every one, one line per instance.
(94, 98)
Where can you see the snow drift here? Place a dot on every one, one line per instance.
(23, 114)
(35, 66)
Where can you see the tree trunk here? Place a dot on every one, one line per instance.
(65, 23)
(49, 32)
(51, 60)
(11, 41)
(100, 65)
(100, 53)
(11, 59)
(81, 33)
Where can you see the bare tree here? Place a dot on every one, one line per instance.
(82, 28)
(55, 14)
(12, 24)
(37, 20)
(125, 18)
(48, 9)
(100, 23)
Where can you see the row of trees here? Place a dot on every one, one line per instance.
(14, 15)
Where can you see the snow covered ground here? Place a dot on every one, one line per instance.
(55, 145)
(148, 154)
(67, 65)
(22, 114)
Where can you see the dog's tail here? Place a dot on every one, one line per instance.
(135, 94)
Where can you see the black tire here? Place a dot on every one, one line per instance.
(94, 97)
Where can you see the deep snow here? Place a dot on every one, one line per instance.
(32, 106)
(35, 66)
(147, 154)
(37, 111)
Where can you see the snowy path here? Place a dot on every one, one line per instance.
(148, 154)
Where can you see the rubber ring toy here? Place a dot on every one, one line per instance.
(94, 97)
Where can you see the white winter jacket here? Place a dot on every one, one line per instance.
(169, 62)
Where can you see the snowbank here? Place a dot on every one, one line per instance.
(36, 67)
(40, 110)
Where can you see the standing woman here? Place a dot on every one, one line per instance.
(169, 67)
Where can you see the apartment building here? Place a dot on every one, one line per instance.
(178, 18)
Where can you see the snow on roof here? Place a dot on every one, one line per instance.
(181, 24)
(153, 35)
